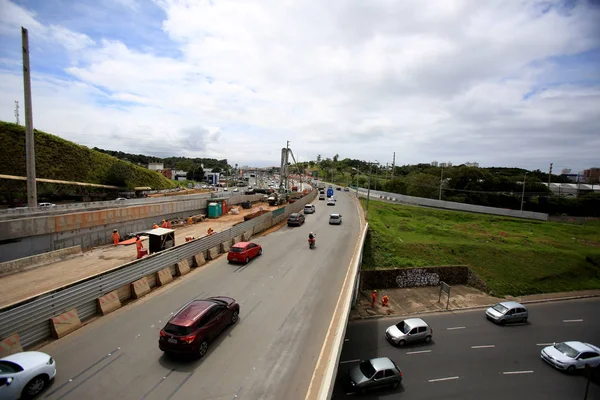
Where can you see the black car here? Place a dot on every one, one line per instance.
(296, 219)
(338, 188)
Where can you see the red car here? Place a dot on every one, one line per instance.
(196, 324)
(244, 252)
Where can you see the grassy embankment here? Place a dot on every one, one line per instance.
(56, 158)
(513, 256)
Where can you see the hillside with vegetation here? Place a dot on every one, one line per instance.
(57, 158)
(514, 257)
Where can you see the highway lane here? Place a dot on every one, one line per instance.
(287, 298)
(472, 358)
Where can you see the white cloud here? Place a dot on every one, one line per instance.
(442, 80)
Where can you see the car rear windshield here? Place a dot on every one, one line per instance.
(500, 308)
(566, 350)
(367, 369)
(334, 217)
(178, 330)
(236, 249)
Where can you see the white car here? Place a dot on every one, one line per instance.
(335, 219)
(331, 201)
(309, 209)
(25, 374)
(46, 205)
(236, 190)
(569, 356)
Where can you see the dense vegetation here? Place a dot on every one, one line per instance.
(494, 187)
(59, 159)
(514, 257)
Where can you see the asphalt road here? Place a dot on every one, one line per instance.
(504, 364)
(287, 297)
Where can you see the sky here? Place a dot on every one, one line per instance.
(502, 83)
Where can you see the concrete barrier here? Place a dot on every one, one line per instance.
(225, 246)
(10, 345)
(65, 323)
(182, 267)
(39, 260)
(109, 302)
(213, 253)
(140, 288)
(237, 239)
(164, 276)
(246, 236)
(199, 259)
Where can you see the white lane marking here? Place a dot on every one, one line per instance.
(544, 344)
(443, 379)
(419, 352)
(486, 346)
(572, 320)
(348, 361)
(456, 327)
(346, 340)
(517, 372)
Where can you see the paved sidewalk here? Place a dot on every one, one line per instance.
(20, 286)
(425, 299)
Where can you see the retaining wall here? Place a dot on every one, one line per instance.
(24, 264)
(30, 236)
(415, 277)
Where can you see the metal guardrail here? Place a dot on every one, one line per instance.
(31, 318)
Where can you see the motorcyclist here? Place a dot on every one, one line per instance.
(311, 236)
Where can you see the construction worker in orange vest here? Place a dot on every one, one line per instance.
(116, 237)
(210, 231)
(139, 246)
(155, 226)
(385, 300)
(374, 298)
(164, 224)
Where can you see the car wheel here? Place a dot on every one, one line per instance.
(571, 369)
(260, 252)
(395, 385)
(235, 317)
(427, 339)
(401, 343)
(202, 349)
(34, 387)
(525, 320)
(502, 322)
(247, 260)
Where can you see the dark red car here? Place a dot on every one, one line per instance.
(244, 252)
(196, 324)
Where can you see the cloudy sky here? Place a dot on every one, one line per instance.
(503, 83)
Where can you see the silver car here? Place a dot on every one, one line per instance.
(375, 373)
(309, 209)
(569, 356)
(506, 312)
(409, 330)
(335, 219)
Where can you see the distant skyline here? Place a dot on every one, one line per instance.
(504, 84)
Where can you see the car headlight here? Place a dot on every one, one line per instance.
(50, 361)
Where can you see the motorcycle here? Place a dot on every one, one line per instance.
(312, 243)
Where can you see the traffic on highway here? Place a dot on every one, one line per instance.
(464, 355)
(222, 331)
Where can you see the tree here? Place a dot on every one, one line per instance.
(335, 158)
(196, 173)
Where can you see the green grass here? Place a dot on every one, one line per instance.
(513, 256)
(56, 158)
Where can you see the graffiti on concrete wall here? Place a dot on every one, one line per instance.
(416, 277)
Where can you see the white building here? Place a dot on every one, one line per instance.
(472, 164)
(156, 166)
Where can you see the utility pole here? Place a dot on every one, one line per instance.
(29, 138)
(287, 151)
(393, 165)
(441, 180)
(17, 111)
(549, 176)
(523, 194)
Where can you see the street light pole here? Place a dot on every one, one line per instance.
(523, 194)
(369, 188)
(441, 180)
(357, 174)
